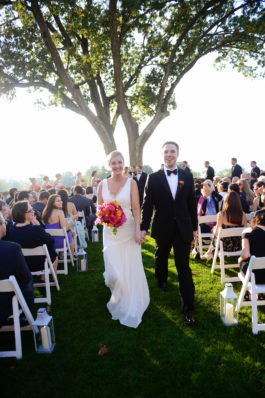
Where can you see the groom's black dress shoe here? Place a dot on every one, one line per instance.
(189, 318)
(163, 286)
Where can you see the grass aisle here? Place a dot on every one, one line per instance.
(161, 358)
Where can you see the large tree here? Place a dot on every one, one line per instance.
(111, 59)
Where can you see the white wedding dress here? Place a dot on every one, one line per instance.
(124, 272)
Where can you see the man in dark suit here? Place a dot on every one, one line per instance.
(210, 171)
(12, 262)
(236, 169)
(140, 179)
(170, 193)
(255, 168)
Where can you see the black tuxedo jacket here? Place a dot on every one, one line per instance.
(81, 203)
(141, 185)
(210, 173)
(168, 211)
(236, 171)
(12, 262)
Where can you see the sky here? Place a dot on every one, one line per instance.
(219, 115)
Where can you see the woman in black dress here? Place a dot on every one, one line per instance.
(30, 236)
(253, 243)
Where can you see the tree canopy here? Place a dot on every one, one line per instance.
(105, 60)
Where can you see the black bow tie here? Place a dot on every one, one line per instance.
(172, 171)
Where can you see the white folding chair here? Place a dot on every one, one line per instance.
(48, 269)
(203, 235)
(65, 249)
(11, 285)
(249, 282)
(81, 214)
(219, 252)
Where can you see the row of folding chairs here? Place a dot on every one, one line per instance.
(248, 280)
(11, 285)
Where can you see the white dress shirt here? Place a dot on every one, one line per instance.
(172, 180)
(138, 176)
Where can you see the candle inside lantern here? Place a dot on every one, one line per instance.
(46, 337)
(229, 313)
(83, 264)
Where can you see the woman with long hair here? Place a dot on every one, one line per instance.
(53, 217)
(245, 191)
(230, 216)
(253, 239)
(124, 272)
(70, 212)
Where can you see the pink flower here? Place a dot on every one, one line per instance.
(112, 215)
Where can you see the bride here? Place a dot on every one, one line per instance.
(124, 272)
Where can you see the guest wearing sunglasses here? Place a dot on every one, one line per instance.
(30, 236)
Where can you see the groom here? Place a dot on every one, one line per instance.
(170, 194)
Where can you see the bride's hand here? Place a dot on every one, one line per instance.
(138, 237)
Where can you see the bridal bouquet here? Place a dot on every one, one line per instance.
(112, 215)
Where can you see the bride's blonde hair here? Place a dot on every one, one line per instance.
(113, 154)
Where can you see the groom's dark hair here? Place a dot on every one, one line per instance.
(171, 142)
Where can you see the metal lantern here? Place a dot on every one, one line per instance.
(95, 234)
(228, 305)
(44, 339)
(81, 262)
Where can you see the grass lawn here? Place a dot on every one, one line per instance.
(161, 358)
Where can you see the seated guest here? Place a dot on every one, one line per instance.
(90, 195)
(35, 197)
(30, 236)
(258, 189)
(52, 191)
(11, 197)
(4, 209)
(208, 204)
(230, 216)
(12, 262)
(216, 180)
(235, 179)
(197, 189)
(223, 188)
(24, 195)
(261, 178)
(6, 213)
(70, 211)
(246, 191)
(42, 202)
(244, 176)
(53, 217)
(253, 179)
(244, 203)
(84, 204)
(253, 239)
